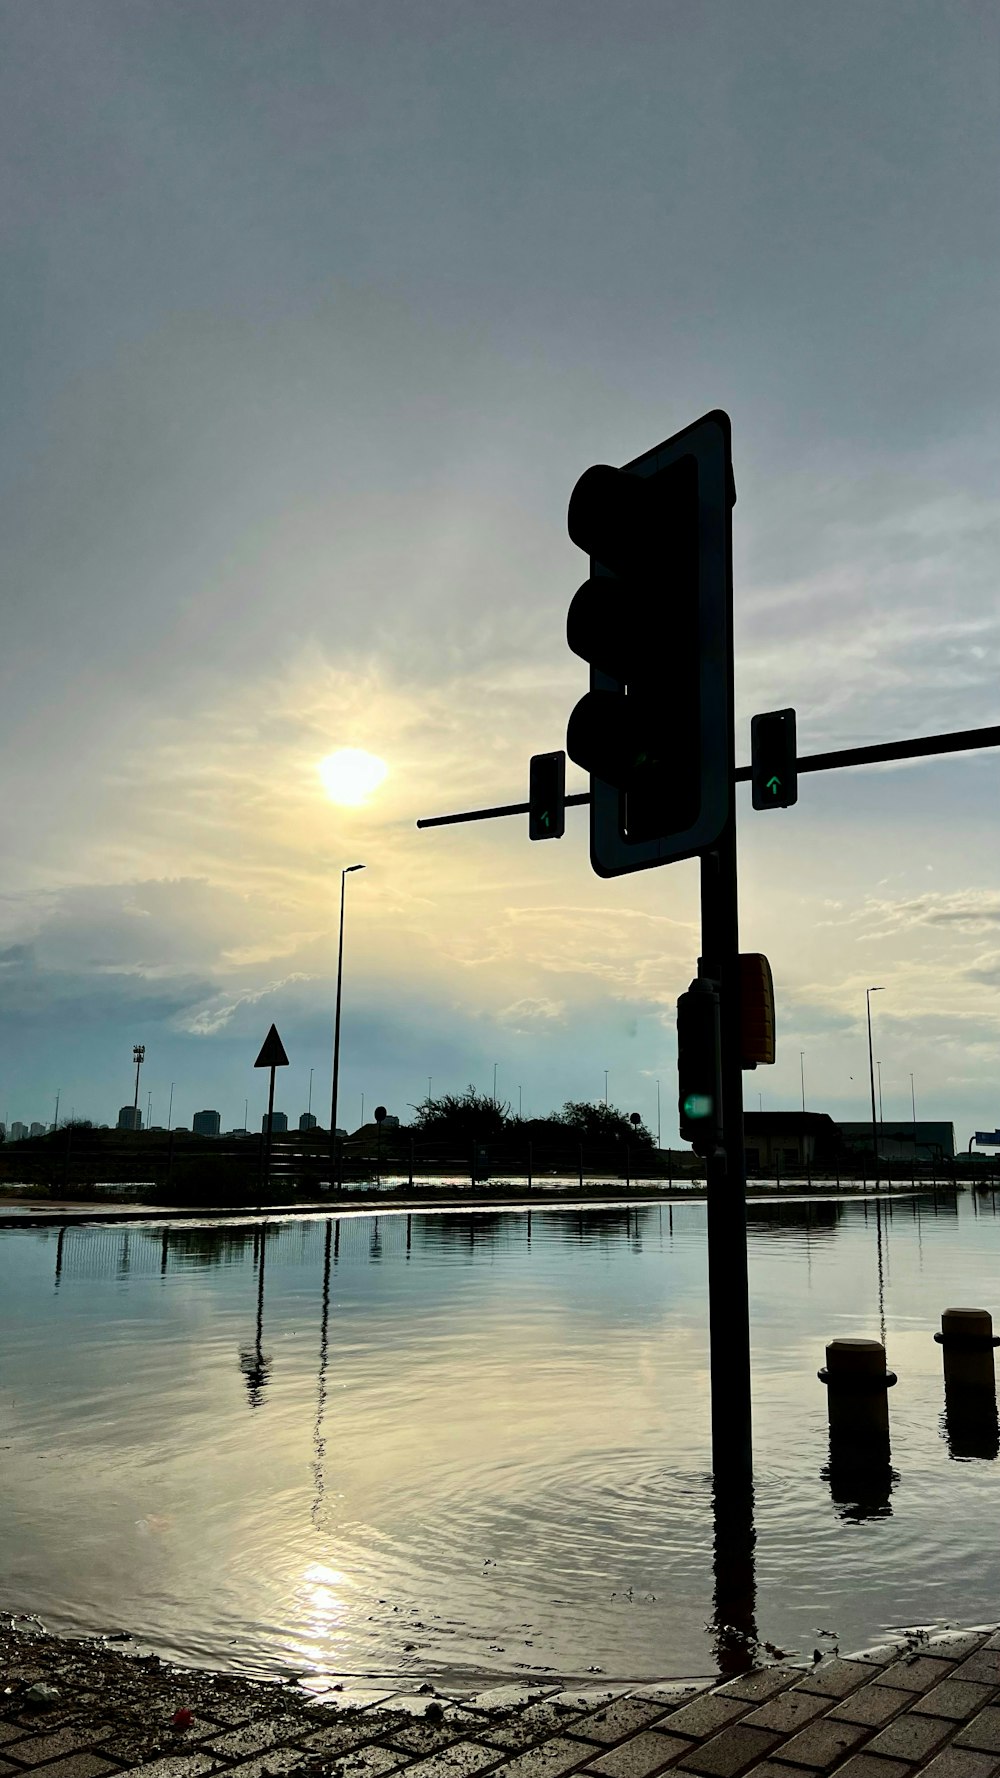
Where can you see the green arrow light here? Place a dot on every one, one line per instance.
(774, 785)
(698, 1105)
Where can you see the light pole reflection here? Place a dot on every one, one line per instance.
(255, 1363)
(319, 1443)
(734, 1598)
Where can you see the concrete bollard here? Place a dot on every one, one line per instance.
(857, 1384)
(970, 1400)
(968, 1340)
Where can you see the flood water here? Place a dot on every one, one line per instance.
(477, 1443)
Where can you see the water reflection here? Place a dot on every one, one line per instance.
(734, 1625)
(519, 1414)
(254, 1362)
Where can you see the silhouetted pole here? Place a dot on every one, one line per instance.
(336, 1022)
(138, 1057)
(270, 1125)
(871, 1071)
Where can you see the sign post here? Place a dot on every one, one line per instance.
(272, 1055)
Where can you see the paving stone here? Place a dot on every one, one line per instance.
(33, 1750)
(824, 1743)
(983, 1666)
(510, 1697)
(524, 1727)
(176, 1765)
(871, 1765)
(548, 1761)
(705, 1716)
(983, 1731)
(6, 1768)
(278, 1763)
(760, 1683)
(372, 1761)
(426, 1737)
(912, 1736)
(455, 1761)
(961, 1762)
(770, 1769)
(343, 1733)
(594, 1699)
(671, 1693)
(252, 1738)
(915, 1673)
(956, 1644)
(10, 1731)
(730, 1752)
(993, 1641)
(640, 1757)
(626, 1716)
(955, 1698)
(873, 1705)
(836, 1678)
(788, 1711)
(79, 1765)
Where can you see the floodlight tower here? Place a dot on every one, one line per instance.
(138, 1057)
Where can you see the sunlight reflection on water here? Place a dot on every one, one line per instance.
(476, 1442)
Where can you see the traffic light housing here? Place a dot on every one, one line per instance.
(756, 1010)
(699, 1067)
(654, 621)
(547, 796)
(774, 776)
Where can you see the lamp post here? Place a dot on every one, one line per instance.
(336, 1023)
(138, 1057)
(871, 1071)
(878, 1067)
(913, 1107)
(802, 1076)
(658, 1142)
(605, 1086)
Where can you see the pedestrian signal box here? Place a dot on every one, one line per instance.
(547, 796)
(773, 760)
(756, 1010)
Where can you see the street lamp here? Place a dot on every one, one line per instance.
(605, 1086)
(878, 1066)
(802, 1076)
(336, 1023)
(658, 1142)
(138, 1057)
(871, 1071)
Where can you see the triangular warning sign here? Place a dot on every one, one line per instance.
(272, 1053)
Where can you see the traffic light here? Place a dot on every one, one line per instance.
(654, 620)
(547, 796)
(774, 777)
(699, 1067)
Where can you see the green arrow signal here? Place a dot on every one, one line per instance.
(774, 785)
(544, 818)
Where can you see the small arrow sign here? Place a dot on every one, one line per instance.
(272, 1053)
(773, 785)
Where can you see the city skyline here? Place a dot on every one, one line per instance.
(313, 320)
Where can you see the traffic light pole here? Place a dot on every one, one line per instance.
(725, 1168)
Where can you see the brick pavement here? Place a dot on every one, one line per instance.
(915, 1704)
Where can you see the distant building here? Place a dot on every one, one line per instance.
(307, 1121)
(390, 1123)
(37, 1129)
(206, 1123)
(903, 1141)
(279, 1124)
(18, 1131)
(776, 1139)
(130, 1118)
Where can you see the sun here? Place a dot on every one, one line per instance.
(350, 775)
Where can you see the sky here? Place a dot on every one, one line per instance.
(311, 317)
